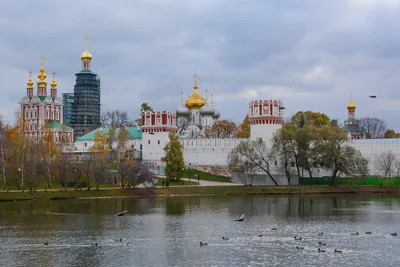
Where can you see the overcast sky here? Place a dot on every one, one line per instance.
(310, 54)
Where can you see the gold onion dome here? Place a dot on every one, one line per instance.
(351, 104)
(53, 82)
(30, 82)
(86, 55)
(42, 75)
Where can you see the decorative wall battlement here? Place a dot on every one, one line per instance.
(211, 145)
(158, 121)
(266, 112)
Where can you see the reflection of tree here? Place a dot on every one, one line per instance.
(175, 206)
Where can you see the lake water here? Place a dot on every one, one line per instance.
(167, 232)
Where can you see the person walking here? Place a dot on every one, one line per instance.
(198, 178)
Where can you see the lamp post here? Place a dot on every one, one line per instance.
(190, 174)
(20, 179)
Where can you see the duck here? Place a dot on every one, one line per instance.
(96, 244)
(368, 233)
(297, 238)
(225, 238)
(259, 235)
(338, 251)
(120, 240)
(127, 243)
(299, 247)
(203, 244)
(46, 243)
(354, 233)
(321, 250)
(320, 234)
(273, 229)
(393, 234)
(322, 243)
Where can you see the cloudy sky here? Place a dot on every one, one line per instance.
(310, 54)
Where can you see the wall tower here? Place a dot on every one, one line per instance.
(266, 117)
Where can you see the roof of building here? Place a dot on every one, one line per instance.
(353, 128)
(133, 133)
(52, 124)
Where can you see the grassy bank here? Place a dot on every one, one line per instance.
(205, 176)
(174, 183)
(212, 190)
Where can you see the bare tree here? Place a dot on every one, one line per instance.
(133, 175)
(386, 164)
(254, 152)
(3, 152)
(246, 172)
(374, 127)
(182, 124)
(115, 118)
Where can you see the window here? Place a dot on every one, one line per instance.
(140, 147)
(158, 141)
(276, 163)
(85, 144)
(149, 142)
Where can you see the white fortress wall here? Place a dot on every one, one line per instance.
(209, 151)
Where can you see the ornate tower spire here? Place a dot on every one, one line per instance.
(29, 86)
(42, 84)
(195, 80)
(212, 100)
(86, 57)
(182, 95)
(206, 94)
(53, 84)
(195, 101)
(351, 108)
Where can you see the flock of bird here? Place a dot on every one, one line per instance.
(298, 238)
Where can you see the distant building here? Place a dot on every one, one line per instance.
(83, 111)
(352, 124)
(42, 112)
(68, 108)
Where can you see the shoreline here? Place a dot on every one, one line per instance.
(299, 190)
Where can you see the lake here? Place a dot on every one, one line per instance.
(167, 232)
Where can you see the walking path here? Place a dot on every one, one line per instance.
(210, 183)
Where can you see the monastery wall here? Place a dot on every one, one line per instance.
(209, 151)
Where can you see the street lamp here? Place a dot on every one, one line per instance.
(20, 179)
(190, 174)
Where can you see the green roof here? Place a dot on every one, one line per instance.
(52, 124)
(42, 97)
(353, 127)
(133, 133)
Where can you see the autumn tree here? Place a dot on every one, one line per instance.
(98, 158)
(374, 127)
(252, 156)
(243, 130)
(173, 159)
(146, 107)
(222, 129)
(50, 150)
(390, 134)
(116, 118)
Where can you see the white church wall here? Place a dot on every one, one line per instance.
(153, 145)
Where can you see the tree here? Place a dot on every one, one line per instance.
(3, 145)
(222, 129)
(390, 134)
(243, 130)
(335, 156)
(374, 127)
(303, 118)
(122, 141)
(173, 159)
(115, 118)
(182, 124)
(254, 154)
(146, 107)
(386, 164)
(50, 151)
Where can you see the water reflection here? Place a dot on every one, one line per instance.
(167, 231)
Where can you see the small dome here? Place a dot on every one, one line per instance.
(351, 104)
(217, 114)
(58, 100)
(207, 110)
(25, 100)
(86, 55)
(35, 99)
(182, 111)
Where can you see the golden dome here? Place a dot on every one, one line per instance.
(351, 104)
(30, 82)
(195, 101)
(42, 75)
(53, 82)
(86, 55)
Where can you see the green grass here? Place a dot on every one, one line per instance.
(203, 190)
(175, 183)
(205, 176)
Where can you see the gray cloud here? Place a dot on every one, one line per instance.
(310, 54)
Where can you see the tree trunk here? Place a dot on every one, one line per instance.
(3, 165)
(310, 174)
(334, 177)
(272, 178)
(48, 167)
